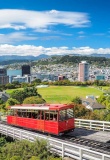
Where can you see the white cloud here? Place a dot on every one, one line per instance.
(16, 27)
(15, 37)
(42, 30)
(84, 50)
(23, 50)
(41, 20)
(88, 50)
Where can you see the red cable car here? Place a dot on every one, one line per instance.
(50, 118)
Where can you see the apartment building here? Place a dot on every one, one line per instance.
(83, 71)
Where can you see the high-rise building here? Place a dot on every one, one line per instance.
(83, 71)
(26, 70)
(4, 79)
(3, 72)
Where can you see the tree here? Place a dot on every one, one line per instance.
(16, 82)
(25, 150)
(1, 87)
(15, 158)
(1, 101)
(10, 86)
(2, 107)
(96, 82)
(19, 95)
(2, 141)
(30, 91)
(80, 111)
(108, 106)
(107, 115)
(11, 102)
(94, 116)
(33, 100)
(24, 84)
(34, 158)
(101, 98)
(77, 100)
(36, 81)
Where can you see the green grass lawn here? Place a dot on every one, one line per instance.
(9, 91)
(64, 94)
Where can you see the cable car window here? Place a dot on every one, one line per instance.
(70, 113)
(34, 114)
(24, 113)
(38, 114)
(47, 116)
(19, 113)
(62, 115)
(42, 115)
(51, 115)
(28, 114)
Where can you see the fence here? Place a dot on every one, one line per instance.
(93, 124)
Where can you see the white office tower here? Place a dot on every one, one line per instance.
(83, 71)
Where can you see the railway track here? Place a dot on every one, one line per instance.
(88, 143)
(91, 144)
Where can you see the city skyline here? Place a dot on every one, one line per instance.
(54, 27)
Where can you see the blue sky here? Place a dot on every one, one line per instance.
(34, 27)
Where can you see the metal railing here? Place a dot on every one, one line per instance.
(58, 146)
(93, 124)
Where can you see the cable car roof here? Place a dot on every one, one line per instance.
(30, 107)
(42, 106)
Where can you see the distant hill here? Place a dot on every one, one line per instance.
(93, 55)
(76, 58)
(14, 57)
(100, 55)
(4, 60)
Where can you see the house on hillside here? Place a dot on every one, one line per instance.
(92, 104)
(4, 96)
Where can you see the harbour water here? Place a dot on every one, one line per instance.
(13, 73)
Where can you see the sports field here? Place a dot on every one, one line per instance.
(64, 94)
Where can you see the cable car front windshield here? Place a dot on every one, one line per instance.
(66, 114)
